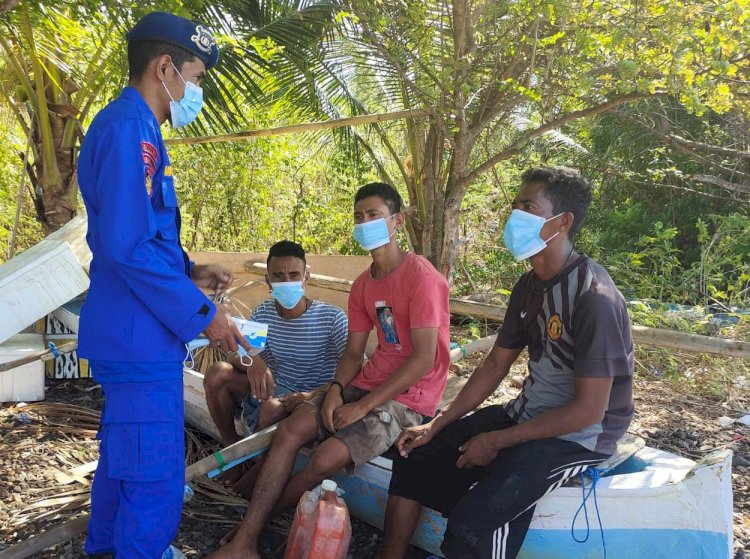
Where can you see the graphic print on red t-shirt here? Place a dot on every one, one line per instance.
(387, 323)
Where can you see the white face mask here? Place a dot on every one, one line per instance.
(373, 234)
(185, 110)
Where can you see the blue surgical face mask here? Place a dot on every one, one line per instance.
(186, 110)
(372, 234)
(522, 234)
(287, 293)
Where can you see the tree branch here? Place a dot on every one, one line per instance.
(721, 183)
(670, 140)
(690, 144)
(517, 146)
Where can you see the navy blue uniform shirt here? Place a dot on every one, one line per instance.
(142, 305)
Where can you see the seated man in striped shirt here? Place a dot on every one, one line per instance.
(305, 341)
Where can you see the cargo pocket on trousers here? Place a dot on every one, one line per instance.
(142, 439)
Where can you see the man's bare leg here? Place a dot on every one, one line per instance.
(225, 388)
(329, 458)
(271, 411)
(290, 436)
(401, 516)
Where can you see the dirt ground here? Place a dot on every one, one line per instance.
(41, 443)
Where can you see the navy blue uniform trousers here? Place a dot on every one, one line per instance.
(136, 498)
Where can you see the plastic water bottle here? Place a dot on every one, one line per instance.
(321, 528)
(173, 553)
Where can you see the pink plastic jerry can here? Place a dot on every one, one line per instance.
(321, 527)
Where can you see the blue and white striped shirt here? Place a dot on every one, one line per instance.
(303, 352)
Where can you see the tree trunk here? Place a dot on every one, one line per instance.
(57, 196)
(440, 199)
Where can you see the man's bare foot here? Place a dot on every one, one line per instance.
(244, 486)
(229, 536)
(230, 477)
(233, 551)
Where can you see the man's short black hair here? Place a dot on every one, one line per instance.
(141, 53)
(387, 193)
(286, 248)
(566, 188)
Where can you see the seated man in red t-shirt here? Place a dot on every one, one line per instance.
(365, 408)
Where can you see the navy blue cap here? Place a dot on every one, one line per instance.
(175, 30)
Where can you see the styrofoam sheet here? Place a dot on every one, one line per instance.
(36, 282)
(24, 383)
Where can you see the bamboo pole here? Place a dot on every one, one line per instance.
(472, 347)
(301, 128)
(690, 342)
(660, 337)
(44, 355)
(255, 443)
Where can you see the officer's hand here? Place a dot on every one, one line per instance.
(223, 332)
(214, 277)
(262, 385)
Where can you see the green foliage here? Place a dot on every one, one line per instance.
(244, 196)
(29, 230)
(656, 269)
(652, 269)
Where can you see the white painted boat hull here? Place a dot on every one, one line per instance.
(673, 508)
(658, 505)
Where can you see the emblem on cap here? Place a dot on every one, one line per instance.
(203, 39)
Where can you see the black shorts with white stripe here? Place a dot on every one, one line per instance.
(489, 509)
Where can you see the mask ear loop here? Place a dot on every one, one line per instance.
(188, 358)
(550, 219)
(242, 352)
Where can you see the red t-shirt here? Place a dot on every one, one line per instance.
(414, 295)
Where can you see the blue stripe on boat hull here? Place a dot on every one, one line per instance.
(625, 544)
(367, 502)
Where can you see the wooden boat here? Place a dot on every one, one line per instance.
(652, 504)
(655, 504)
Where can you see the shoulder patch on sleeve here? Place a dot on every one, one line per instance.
(150, 154)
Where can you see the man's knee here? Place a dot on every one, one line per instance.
(322, 467)
(296, 430)
(271, 411)
(217, 375)
(328, 460)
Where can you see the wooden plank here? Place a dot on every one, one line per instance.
(627, 446)
(458, 306)
(196, 409)
(641, 334)
(302, 128)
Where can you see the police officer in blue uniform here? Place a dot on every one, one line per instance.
(144, 302)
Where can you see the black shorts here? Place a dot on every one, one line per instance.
(489, 509)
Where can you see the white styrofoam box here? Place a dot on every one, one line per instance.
(24, 383)
(68, 315)
(36, 282)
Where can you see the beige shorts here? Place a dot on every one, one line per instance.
(372, 435)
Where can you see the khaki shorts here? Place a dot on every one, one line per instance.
(372, 435)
